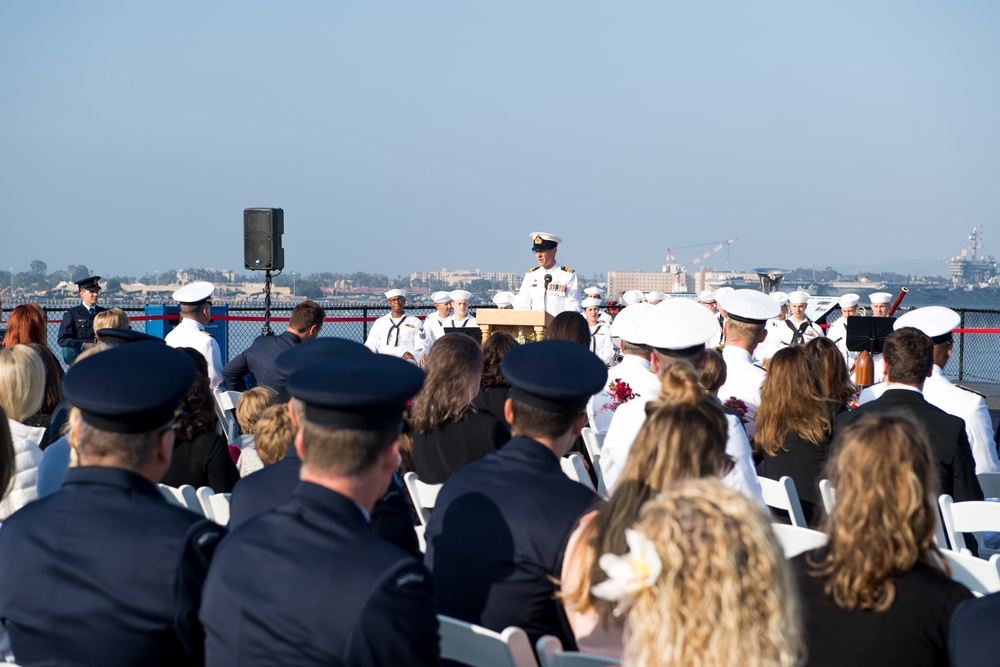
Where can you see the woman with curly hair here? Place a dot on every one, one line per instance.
(795, 425)
(448, 431)
(201, 454)
(879, 592)
(716, 588)
(684, 436)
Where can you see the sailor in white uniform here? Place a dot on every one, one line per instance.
(460, 319)
(797, 328)
(195, 301)
(747, 314)
(880, 304)
(504, 300)
(434, 323)
(633, 297)
(838, 330)
(678, 331)
(938, 322)
(772, 342)
(548, 286)
(397, 333)
(633, 369)
(653, 298)
(598, 293)
(600, 333)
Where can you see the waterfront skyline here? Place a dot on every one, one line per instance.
(403, 137)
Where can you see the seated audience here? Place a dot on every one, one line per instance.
(26, 324)
(272, 433)
(569, 325)
(878, 593)
(834, 378)
(112, 318)
(249, 408)
(53, 389)
(448, 431)
(22, 393)
(494, 390)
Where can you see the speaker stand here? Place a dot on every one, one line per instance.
(266, 329)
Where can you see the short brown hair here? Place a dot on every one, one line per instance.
(344, 452)
(533, 422)
(130, 450)
(306, 315)
(251, 405)
(746, 333)
(714, 374)
(909, 356)
(273, 434)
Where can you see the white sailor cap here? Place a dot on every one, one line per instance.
(543, 241)
(632, 297)
(656, 296)
(935, 321)
(849, 300)
(722, 291)
(594, 291)
(680, 327)
(394, 293)
(441, 297)
(460, 295)
(502, 299)
(880, 297)
(194, 293)
(591, 301)
(706, 296)
(780, 297)
(747, 305)
(798, 296)
(628, 324)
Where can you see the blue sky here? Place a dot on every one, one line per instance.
(401, 136)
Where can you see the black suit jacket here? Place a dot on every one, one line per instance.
(946, 434)
(973, 640)
(312, 584)
(77, 327)
(258, 360)
(497, 535)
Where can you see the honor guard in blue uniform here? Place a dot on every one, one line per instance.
(105, 571)
(311, 583)
(76, 331)
(258, 359)
(499, 527)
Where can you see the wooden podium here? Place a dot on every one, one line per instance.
(523, 325)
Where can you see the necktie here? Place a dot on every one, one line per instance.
(91, 310)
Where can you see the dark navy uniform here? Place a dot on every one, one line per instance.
(358, 600)
(497, 536)
(104, 572)
(258, 360)
(77, 327)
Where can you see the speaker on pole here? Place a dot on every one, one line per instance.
(262, 230)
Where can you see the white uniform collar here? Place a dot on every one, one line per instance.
(907, 387)
(635, 360)
(734, 353)
(188, 322)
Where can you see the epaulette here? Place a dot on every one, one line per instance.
(534, 269)
(971, 391)
(567, 269)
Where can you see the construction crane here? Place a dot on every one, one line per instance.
(674, 267)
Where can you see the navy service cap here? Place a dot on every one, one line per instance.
(130, 389)
(366, 392)
(91, 283)
(194, 293)
(115, 337)
(554, 375)
(747, 305)
(543, 241)
(937, 322)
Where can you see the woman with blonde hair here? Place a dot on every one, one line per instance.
(22, 392)
(448, 431)
(704, 583)
(249, 408)
(683, 437)
(795, 425)
(112, 318)
(879, 593)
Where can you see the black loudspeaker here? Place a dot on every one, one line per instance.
(262, 230)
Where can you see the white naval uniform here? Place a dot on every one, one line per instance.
(743, 380)
(433, 329)
(190, 333)
(455, 323)
(389, 335)
(838, 334)
(562, 294)
(771, 342)
(969, 406)
(633, 371)
(785, 333)
(600, 343)
(627, 423)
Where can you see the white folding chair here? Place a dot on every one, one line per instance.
(220, 507)
(970, 516)
(982, 577)
(795, 540)
(828, 494)
(422, 494)
(602, 489)
(989, 482)
(225, 410)
(478, 647)
(551, 654)
(781, 494)
(576, 469)
(185, 496)
(204, 494)
(593, 441)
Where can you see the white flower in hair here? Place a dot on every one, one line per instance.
(628, 574)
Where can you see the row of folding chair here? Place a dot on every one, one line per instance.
(203, 501)
(476, 646)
